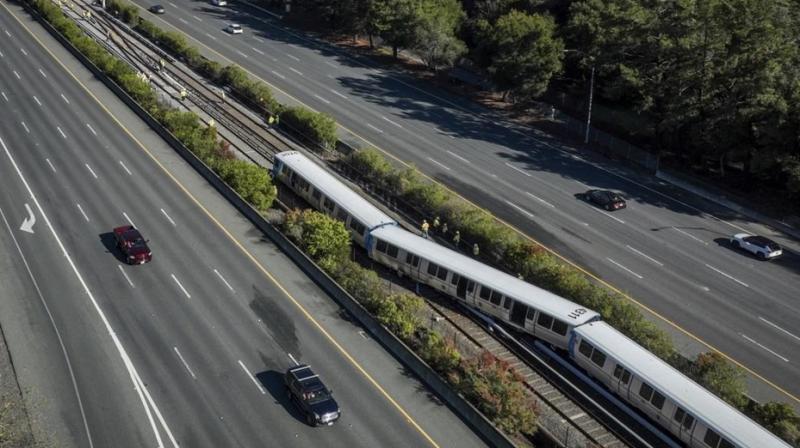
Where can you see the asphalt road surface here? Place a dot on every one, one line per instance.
(186, 350)
(668, 250)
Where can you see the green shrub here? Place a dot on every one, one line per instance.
(713, 372)
(251, 181)
(780, 418)
(318, 128)
(320, 235)
(438, 352)
(400, 314)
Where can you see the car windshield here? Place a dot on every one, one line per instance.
(318, 396)
(760, 241)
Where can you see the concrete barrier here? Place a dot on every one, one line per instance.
(395, 346)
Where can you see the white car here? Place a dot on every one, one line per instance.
(219, 2)
(763, 248)
(234, 29)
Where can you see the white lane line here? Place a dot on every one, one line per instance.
(440, 164)
(645, 256)
(2, 55)
(331, 64)
(607, 214)
(458, 157)
(242, 54)
(43, 73)
(4, 96)
(181, 286)
(623, 267)
(7, 33)
(223, 280)
(61, 132)
(51, 165)
(37, 100)
(257, 51)
(779, 328)
(296, 71)
(168, 218)
(392, 122)
(338, 94)
(17, 74)
(530, 215)
(374, 128)
(82, 212)
(728, 275)
(25, 126)
(173, 4)
(258, 39)
(125, 168)
(185, 364)
(273, 59)
(293, 57)
(182, 20)
(540, 199)
(277, 74)
(23, 51)
(91, 129)
(293, 360)
(64, 98)
(321, 99)
(125, 275)
(690, 235)
(517, 169)
(128, 219)
(197, 18)
(763, 347)
(255, 381)
(90, 170)
(212, 37)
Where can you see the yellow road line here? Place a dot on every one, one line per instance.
(239, 245)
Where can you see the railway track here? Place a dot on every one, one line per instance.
(250, 129)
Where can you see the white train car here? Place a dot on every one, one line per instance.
(690, 412)
(328, 194)
(493, 292)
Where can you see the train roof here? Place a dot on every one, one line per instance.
(508, 285)
(726, 420)
(358, 207)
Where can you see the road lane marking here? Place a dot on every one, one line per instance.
(90, 170)
(23, 51)
(17, 74)
(130, 221)
(168, 218)
(540, 199)
(321, 99)
(293, 360)
(338, 94)
(197, 18)
(37, 100)
(7, 33)
(517, 169)
(182, 20)
(242, 54)
(212, 37)
(277, 74)
(374, 128)
(392, 122)
(223, 280)
(43, 73)
(728, 275)
(257, 51)
(173, 4)
(458, 157)
(91, 129)
(61, 132)
(293, 57)
(82, 212)
(185, 364)
(51, 165)
(779, 328)
(296, 71)
(530, 215)
(690, 235)
(125, 275)
(258, 39)
(64, 98)
(645, 256)
(623, 267)
(607, 214)
(764, 348)
(440, 164)
(4, 96)
(25, 126)
(181, 286)
(255, 381)
(2, 55)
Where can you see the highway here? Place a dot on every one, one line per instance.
(668, 250)
(188, 350)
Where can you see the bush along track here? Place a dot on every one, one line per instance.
(502, 246)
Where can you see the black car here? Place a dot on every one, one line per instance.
(308, 392)
(604, 198)
(156, 9)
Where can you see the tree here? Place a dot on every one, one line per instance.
(527, 54)
(320, 235)
(780, 418)
(714, 373)
(399, 25)
(435, 38)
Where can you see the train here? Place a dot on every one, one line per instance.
(689, 412)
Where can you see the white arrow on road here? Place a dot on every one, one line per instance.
(27, 224)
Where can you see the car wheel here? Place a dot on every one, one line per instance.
(310, 420)
(761, 256)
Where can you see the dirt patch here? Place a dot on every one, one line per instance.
(15, 428)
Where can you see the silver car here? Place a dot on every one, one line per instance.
(763, 248)
(234, 28)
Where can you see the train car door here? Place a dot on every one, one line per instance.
(461, 288)
(518, 313)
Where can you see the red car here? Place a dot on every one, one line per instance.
(133, 245)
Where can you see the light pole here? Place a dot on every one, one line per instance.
(591, 95)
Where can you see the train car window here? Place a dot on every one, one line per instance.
(688, 422)
(442, 274)
(485, 293)
(327, 203)
(586, 349)
(454, 279)
(531, 313)
(341, 215)
(412, 259)
(507, 303)
(658, 400)
(626, 376)
(559, 327)
(646, 391)
(291, 175)
(432, 267)
(712, 438)
(357, 226)
(618, 369)
(381, 246)
(470, 286)
(599, 358)
(393, 251)
(496, 298)
(316, 194)
(726, 444)
(545, 320)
